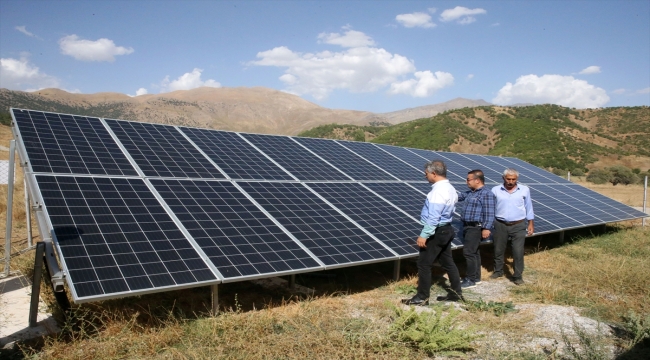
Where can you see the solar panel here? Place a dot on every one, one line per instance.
(239, 238)
(161, 150)
(383, 220)
(115, 238)
(389, 163)
(236, 157)
(333, 238)
(294, 158)
(136, 208)
(345, 160)
(69, 144)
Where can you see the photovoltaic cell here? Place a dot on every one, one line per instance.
(538, 174)
(161, 150)
(500, 165)
(596, 200)
(345, 160)
(239, 239)
(69, 144)
(334, 239)
(294, 158)
(386, 161)
(237, 158)
(116, 238)
(381, 219)
(569, 212)
(568, 197)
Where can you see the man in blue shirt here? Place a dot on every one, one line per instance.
(514, 220)
(436, 236)
(477, 214)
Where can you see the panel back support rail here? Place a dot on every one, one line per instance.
(45, 253)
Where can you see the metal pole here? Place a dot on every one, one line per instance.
(561, 237)
(36, 284)
(292, 282)
(28, 211)
(396, 265)
(10, 204)
(645, 198)
(568, 175)
(215, 299)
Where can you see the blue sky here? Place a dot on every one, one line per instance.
(377, 56)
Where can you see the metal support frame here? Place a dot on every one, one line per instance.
(561, 236)
(215, 299)
(36, 283)
(28, 213)
(45, 252)
(10, 205)
(396, 269)
(292, 282)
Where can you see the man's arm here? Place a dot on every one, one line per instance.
(530, 215)
(488, 210)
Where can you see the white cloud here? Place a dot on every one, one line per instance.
(424, 84)
(469, 77)
(360, 69)
(591, 70)
(20, 74)
(23, 29)
(554, 89)
(88, 50)
(495, 24)
(416, 19)
(432, 10)
(141, 91)
(351, 38)
(643, 91)
(461, 14)
(619, 91)
(187, 81)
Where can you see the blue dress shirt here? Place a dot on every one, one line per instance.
(438, 207)
(513, 206)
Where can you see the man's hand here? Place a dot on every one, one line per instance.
(422, 242)
(485, 233)
(531, 229)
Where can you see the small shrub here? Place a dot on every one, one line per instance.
(578, 172)
(432, 332)
(622, 175)
(589, 347)
(637, 328)
(406, 289)
(599, 176)
(498, 308)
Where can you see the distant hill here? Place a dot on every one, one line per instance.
(420, 112)
(549, 136)
(257, 109)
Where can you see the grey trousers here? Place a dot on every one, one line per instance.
(517, 235)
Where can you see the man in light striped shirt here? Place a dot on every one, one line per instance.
(436, 236)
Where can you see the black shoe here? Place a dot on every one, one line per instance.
(467, 284)
(416, 301)
(496, 275)
(518, 281)
(450, 297)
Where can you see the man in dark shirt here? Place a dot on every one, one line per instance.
(477, 214)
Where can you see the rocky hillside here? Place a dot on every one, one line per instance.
(550, 136)
(258, 109)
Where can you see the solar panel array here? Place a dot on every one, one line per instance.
(137, 208)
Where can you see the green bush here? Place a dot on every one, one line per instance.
(622, 175)
(432, 332)
(578, 172)
(599, 176)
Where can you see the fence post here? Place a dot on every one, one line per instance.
(568, 175)
(645, 198)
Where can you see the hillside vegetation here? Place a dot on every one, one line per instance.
(548, 136)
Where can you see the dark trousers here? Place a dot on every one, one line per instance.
(438, 248)
(517, 235)
(471, 242)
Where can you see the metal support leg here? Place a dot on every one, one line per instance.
(561, 236)
(36, 283)
(396, 269)
(10, 205)
(292, 282)
(28, 211)
(215, 299)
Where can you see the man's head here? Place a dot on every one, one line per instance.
(475, 179)
(510, 177)
(435, 170)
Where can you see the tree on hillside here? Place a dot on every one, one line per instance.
(622, 175)
(599, 176)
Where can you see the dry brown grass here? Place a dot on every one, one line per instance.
(607, 275)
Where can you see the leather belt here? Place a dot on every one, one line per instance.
(510, 223)
(471, 223)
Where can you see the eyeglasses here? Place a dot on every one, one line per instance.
(468, 180)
